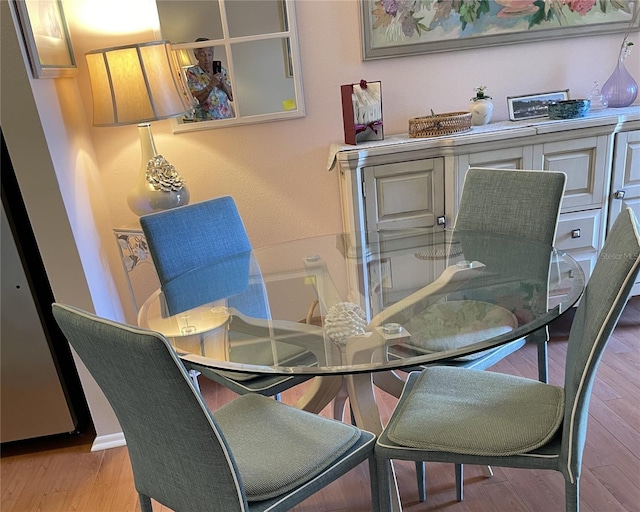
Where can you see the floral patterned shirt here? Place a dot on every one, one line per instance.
(217, 105)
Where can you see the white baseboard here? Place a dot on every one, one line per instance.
(108, 441)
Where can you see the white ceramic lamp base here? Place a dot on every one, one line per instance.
(159, 187)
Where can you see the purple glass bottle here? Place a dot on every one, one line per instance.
(620, 90)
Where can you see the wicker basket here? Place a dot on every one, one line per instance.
(439, 124)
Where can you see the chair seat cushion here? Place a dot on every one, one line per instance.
(455, 324)
(259, 430)
(475, 412)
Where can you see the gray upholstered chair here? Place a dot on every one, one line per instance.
(465, 416)
(518, 203)
(253, 454)
(204, 234)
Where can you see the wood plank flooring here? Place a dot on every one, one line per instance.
(64, 476)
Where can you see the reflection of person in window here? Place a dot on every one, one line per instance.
(211, 88)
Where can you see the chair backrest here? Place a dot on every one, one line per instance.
(195, 238)
(511, 202)
(600, 308)
(178, 454)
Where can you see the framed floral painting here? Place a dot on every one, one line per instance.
(393, 28)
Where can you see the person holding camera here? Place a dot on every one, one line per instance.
(210, 85)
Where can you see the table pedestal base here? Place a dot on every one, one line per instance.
(359, 390)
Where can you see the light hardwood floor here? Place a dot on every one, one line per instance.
(64, 476)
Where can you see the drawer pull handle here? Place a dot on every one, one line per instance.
(619, 194)
(575, 233)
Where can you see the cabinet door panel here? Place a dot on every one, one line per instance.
(584, 161)
(626, 175)
(404, 195)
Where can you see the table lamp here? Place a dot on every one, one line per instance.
(184, 61)
(183, 57)
(137, 84)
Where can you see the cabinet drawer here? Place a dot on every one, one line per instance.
(510, 158)
(579, 230)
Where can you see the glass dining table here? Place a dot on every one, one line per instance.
(355, 319)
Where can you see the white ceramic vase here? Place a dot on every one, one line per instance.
(481, 111)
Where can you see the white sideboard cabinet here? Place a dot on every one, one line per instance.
(402, 183)
(625, 179)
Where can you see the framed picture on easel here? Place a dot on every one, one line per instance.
(533, 105)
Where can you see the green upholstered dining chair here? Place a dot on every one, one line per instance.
(204, 234)
(464, 416)
(253, 454)
(517, 203)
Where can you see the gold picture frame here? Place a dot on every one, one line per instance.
(46, 38)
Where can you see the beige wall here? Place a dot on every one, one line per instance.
(275, 171)
(51, 151)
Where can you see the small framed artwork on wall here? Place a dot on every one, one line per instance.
(533, 105)
(46, 38)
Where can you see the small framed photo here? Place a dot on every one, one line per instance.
(46, 38)
(533, 105)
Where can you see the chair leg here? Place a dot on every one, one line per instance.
(375, 483)
(487, 471)
(459, 480)
(421, 475)
(384, 485)
(572, 496)
(422, 483)
(145, 503)
(540, 338)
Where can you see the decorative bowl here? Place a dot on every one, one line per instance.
(568, 109)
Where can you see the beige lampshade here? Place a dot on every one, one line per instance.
(134, 84)
(184, 57)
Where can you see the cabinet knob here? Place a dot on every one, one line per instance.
(441, 221)
(619, 194)
(575, 233)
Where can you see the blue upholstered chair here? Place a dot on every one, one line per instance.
(464, 416)
(524, 204)
(253, 454)
(211, 235)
